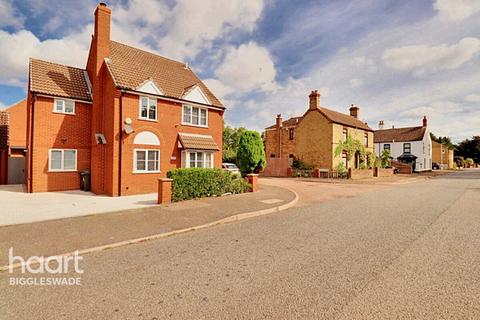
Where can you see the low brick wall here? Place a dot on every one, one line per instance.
(277, 167)
(356, 174)
(383, 172)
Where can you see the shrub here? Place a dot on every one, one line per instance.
(193, 183)
(385, 158)
(300, 165)
(250, 153)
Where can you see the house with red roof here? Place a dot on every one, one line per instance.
(125, 120)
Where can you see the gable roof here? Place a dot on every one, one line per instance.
(130, 67)
(331, 115)
(58, 80)
(399, 134)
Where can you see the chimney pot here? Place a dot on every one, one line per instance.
(314, 99)
(424, 121)
(279, 121)
(354, 111)
(381, 125)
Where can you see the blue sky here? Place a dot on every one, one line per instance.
(397, 60)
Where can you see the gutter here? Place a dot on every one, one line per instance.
(30, 155)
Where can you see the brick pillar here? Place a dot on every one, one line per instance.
(289, 172)
(253, 180)
(316, 173)
(164, 190)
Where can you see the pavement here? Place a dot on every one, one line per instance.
(55, 237)
(21, 207)
(407, 252)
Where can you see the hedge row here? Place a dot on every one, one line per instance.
(193, 183)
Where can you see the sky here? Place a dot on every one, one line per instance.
(396, 60)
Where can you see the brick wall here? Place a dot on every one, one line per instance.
(357, 134)
(59, 131)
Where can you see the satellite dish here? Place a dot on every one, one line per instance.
(128, 128)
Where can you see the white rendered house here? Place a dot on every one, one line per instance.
(411, 145)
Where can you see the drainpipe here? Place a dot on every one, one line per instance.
(120, 143)
(30, 155)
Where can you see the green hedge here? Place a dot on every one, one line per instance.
(193, 183)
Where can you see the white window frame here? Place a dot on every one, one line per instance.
(191, 116)
(63, 106)
(148, 108)
(135, 170)
(187, 158)
(62, 161)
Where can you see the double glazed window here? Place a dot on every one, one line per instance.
(64, 106)
(366, 139)
(199, 159)
(407, 148)
(195, 116)
(344, 134)
(146, 161)
(291, 133)
(148, 108)
(62, 160)
(386, 146)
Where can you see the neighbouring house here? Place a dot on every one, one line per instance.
(12, 158)
(443, 155)
(313, 137)
(411, 145)
(128, 118)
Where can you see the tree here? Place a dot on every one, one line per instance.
(231, 138)
(447, 141)
(250, 152)
(470, 148)
(385, 158)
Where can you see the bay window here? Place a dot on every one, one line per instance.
(198, 159)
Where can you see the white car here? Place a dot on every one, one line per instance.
(232, 167)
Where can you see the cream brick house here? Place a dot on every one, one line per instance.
(313, 137)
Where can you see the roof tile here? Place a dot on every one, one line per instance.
(399, 134)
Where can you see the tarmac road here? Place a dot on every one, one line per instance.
(405, 252)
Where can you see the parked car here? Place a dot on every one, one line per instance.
(435, 166)
(231, 167)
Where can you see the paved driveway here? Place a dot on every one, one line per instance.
(20, 207)
(408, 252)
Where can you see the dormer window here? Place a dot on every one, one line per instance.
(195, 116)
(65, 106)
(148, 108)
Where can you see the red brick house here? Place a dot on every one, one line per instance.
(128, 118)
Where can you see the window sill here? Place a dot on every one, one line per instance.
(60, 171)
(65, 113)
(145, 119)
(194, 125)
(146, 172)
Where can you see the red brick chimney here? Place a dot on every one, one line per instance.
(314, 100)
(279, 121)
(354, 111)
(101, 35)
(425, 121)
(381, 124)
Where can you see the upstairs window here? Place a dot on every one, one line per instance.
(195, 116)
(64, 106)
(344, 134)
(366, 139)
(148, 108)
(407, 148)
(291, 133)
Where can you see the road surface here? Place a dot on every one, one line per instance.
(405, 252)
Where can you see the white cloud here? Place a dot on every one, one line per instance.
(473, 98)
(197, 23)
(433, 110)
(456, 9)
(355, 83)
(245, 68)
(422, 59)
(9, 16)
